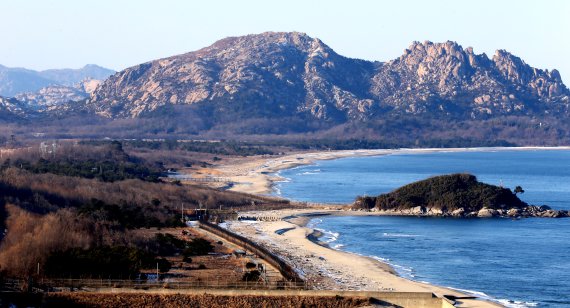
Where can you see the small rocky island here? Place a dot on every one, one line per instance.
(454, 195)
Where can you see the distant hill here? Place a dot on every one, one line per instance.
(457, 195)
(15, 81)
(70, 77)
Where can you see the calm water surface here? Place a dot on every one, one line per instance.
(519, 262)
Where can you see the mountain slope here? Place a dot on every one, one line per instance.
(273, 74)
(12, 110)
(50, 97)
(278, 75)
(446, 78)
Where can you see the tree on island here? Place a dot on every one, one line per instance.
(518, 189)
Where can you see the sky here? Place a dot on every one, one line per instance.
(45, 34)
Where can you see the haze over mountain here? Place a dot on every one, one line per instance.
(15, 81)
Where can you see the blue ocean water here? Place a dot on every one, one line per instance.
(526, 261)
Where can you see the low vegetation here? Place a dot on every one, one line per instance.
(212, 147)
(204, 300)
(102, 261)
(59, 219)
(107, 162)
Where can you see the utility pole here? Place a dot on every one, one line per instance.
(182, 212)
(156, 271)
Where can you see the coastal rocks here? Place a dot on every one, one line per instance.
(513, 212)
(486, 212)
(418, 210)
(528, 211)
(436, 211)
(458, 213)
(552, 214)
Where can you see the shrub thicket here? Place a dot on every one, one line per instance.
(103, 261)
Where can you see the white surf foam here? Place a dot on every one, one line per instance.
(386, 234)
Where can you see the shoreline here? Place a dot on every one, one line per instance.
(292, 239)
(331, 269)
(258, 175)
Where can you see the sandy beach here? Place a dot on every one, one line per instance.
(326, 268)
(289, 237)
(256, 174)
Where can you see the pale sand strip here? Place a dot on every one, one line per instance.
(330, 269)
(255, 175)
(325, 267)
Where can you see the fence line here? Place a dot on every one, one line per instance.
(62, 284)
(284, 268)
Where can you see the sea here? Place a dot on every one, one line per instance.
(517, 262)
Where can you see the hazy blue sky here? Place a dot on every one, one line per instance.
(45, 34)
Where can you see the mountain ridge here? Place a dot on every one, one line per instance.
(289, 85)
(295, 74)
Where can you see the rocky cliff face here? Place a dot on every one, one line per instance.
(11, 109)
(445, 78)
(292, 74)
(51, 97)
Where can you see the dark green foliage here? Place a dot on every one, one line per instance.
(163, 265)
(103, 261)
(104, 170)
(251, 276)
(202, 266)
(128, 215)
(197, 247)
(109, 163)
(518, 190)
(448, 192)
(212, 147)
(165, 244)
(354, 143)
(168, 244)
(250, 265)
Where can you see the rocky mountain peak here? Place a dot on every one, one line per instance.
(543, 83)
(288, 74)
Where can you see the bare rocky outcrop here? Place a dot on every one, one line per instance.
(530, 211)
(283, 73)
(292, 74)
(51, 96)
(447, 79)
(13, 108)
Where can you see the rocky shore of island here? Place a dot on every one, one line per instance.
(485, 212)
(454, 195)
